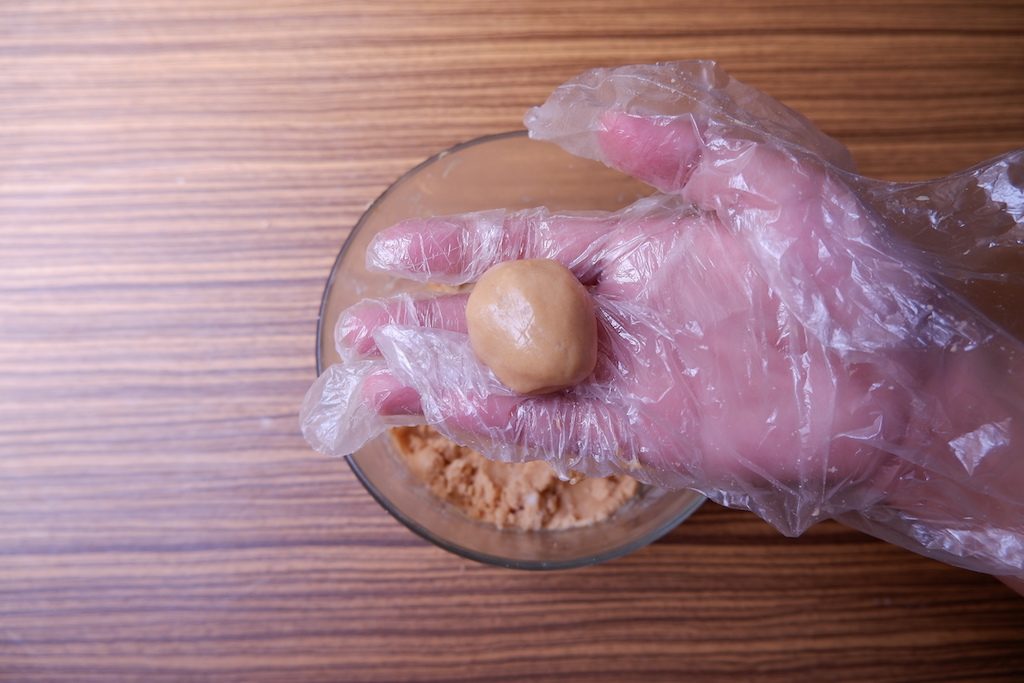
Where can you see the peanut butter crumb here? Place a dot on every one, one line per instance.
(527, 496)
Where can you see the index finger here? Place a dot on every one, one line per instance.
(458, 249)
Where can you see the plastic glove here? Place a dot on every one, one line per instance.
(775, 331)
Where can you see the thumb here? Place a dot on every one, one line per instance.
(683, 102)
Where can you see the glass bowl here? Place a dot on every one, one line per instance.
(498, 171)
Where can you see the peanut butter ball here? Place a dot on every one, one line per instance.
(533, 324)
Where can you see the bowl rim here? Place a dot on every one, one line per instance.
(411, 524)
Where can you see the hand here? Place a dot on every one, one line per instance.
(765, 336)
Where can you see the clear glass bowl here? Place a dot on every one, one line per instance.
(498, 171)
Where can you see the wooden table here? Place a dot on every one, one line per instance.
(176, 177)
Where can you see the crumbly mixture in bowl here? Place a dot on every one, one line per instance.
(527, 496)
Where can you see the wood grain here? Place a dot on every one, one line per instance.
(175, 179)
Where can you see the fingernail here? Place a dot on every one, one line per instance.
(388, 252)
(355, 327)
(389, 397)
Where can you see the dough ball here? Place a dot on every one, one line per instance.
(533, 324)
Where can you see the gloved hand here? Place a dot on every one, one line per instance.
(775, 331)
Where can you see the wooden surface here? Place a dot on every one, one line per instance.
(175, 179)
